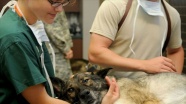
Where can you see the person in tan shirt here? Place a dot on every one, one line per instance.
(135, 49)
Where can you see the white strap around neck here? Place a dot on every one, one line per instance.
(10, 4)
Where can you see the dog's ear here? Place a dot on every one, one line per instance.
(58, 86)
(91, 67)
(56, 82)
(103, 72)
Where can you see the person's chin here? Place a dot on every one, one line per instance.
(49, 21)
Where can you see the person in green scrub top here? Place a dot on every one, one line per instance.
(25, 64)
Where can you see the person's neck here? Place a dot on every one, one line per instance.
(28, 14)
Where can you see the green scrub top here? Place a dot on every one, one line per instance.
(20, 63)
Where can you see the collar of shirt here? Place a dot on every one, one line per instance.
(39, 32)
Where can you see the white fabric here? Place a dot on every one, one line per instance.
(152, 8)
(39, 32)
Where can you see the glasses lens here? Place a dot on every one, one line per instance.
(66, 3)
(56, 4)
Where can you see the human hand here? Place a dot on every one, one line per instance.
(69, 54)
(113, 92)
(158, 64)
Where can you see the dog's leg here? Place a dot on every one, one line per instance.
(141, 96)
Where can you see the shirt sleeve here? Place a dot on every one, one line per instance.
(107, 18)
(175, 39)
(21, 67)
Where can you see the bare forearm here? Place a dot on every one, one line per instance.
(37, 95)
(55, 101)
(106, 57)
(178, 59)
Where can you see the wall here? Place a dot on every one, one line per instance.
(89, 10)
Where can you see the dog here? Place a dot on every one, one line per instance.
(162, 88)
(78, 65)
(83, 65)
(69, 90)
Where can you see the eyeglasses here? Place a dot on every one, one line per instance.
(56, 4)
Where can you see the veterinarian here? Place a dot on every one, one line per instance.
(25, 64)
(59, 34)
(134, 46)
